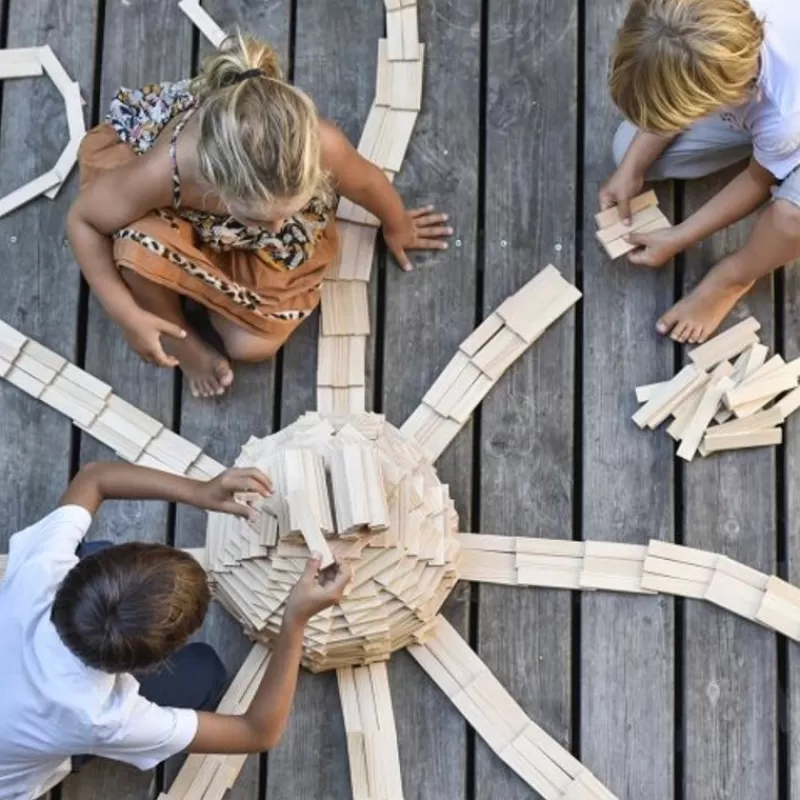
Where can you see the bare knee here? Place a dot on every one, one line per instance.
(786, 219)
(250, 348)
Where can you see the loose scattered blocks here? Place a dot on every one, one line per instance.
(645, 218)
(759, 393)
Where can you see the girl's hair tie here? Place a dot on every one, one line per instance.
(243, 76)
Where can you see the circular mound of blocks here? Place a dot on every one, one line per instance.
(357, 489)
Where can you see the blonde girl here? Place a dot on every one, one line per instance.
(705, 84)
(222, 190)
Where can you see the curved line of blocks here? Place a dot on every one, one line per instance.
(29, 62)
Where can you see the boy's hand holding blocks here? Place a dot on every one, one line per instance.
(646, 217)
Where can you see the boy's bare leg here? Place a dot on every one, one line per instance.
(209, 374)
(775, 242)
(241, 344)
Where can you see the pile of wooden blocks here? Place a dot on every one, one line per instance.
(210, 777)
(484, 357)
(646, 217)
(371, 733)
(341, 375)
(459, 672)
(721, 405)
(659, 567)
(92, 406)
(357, 490)
(30, 62)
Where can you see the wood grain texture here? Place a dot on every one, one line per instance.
(789, 693)
(162, 52)
(627, 644)
(527, 419)
(730, 715)
(428, 312)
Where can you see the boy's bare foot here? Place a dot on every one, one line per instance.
(208, 373)
(694, 318)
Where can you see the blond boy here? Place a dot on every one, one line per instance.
(705, 84)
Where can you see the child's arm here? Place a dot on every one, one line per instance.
(114, 481)
(365, 184)
(110, 202)
(262, 725)
(743, 195)
(628, 180)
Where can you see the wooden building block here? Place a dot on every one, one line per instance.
(341, 361)
(402, 123)
(726, 345)
(610, 216)
(351, 212)
(11, 342)
(370, 135)
(751, 391)
(409, 20)
(42, 354)
(86, 381)
(394, 35)
(499, 353)
(316, 541)
(780, 608)
(789, 404)
(67, 404)
(680, 554)
(203, 21)
(482, 334)
(762, 419)
(737, 588)
(749, 361)
(647, 391)
(706, 409)
(620, 247)
(25, 381)
(405, 90)
(356, 252)
(34, 367)
(675, 391)
(383, 79)
(766, 437)
(639, 219)
(684, 414)
(28, 191)
(345, 308)
(22, 62)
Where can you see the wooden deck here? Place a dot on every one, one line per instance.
(661, 698)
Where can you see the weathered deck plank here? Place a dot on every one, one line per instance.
(527, 419)
(441, 168)
(730, 715)
(162, 52)
(627, 643)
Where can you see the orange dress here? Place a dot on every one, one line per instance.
(266, 282)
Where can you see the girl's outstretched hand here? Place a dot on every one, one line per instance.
(422, 229)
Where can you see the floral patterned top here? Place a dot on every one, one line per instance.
(139, 115)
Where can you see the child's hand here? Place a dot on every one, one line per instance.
(219, 494)
(618, 191)
(421, 230)
(144, 330)
(653, 249)
(316, 590)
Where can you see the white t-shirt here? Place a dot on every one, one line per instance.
(773, 118)
(52, 706)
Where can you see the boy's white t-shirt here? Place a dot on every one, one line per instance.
(52, 706)
(773, 118)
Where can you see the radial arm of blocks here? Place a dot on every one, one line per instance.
(371, 733)
(203, 21)
(485, 355)
(210, 777)
(95, 409)
(497, 718)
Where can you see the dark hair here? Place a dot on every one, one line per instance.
(130, 607)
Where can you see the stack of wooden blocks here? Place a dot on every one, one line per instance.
(210, 777)
(371, 733)
(387, 133)
(646, 217)
(659, 567)
(484, 357)
(92, 406)
(386, 513)
(499, 720)
(721, 405)
(30, 62)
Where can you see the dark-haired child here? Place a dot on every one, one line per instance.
(77, 619)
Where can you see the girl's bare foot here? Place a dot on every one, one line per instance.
(694, 318)
(208, 373)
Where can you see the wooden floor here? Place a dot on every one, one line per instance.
(661, 698)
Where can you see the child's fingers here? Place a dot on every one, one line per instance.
(402, 259)
(420, 212)
(161, 359)
(171, 329)
(625, 210)
(239, 510)
(257, 481)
